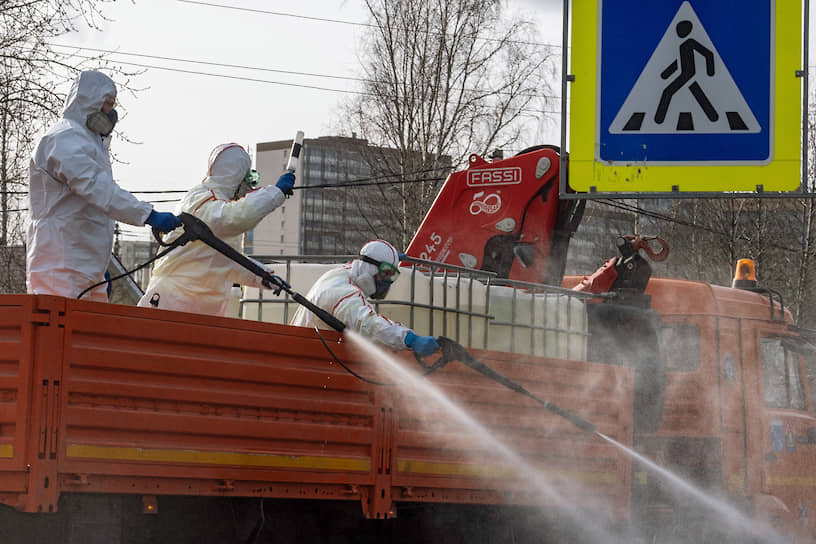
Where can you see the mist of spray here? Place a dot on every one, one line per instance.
(591, 529)
(730, 516)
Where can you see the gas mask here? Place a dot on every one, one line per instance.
(249, 183)
(381, 288)
(102, 123)
(380, 283)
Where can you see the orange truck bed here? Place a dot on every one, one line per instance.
(103, 398)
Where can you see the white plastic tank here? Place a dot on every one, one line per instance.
(233, 305)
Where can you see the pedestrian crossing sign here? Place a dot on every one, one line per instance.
(685, 95)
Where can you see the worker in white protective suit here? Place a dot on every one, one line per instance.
(73, 201)
(342, 292)
(195, 277)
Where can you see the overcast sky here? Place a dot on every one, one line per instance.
(181, 114)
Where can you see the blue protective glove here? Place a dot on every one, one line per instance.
(285, 183)
(109, 288)
(163, 221)
(422, 345)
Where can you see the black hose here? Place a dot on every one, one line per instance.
(196, 229)
(159, 255)
(345, 367)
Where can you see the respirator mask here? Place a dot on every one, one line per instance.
(387, 273)
(102, 123)
(249, 183)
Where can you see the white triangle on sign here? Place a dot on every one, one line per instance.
(675, 97)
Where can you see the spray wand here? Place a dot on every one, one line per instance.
(453, 351)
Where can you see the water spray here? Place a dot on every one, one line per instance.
(592, 530)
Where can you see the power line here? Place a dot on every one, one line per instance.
(365, 184)
(337, 21)
(207, 63)
(134, 191)
(655, 215)
(360, 182)
(167, 191)
(280, 14)
(246, 67)
(256, 80)
(240, 78)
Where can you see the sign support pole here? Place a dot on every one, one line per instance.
(805, 113)
(565, 79)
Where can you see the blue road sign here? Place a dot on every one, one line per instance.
(685, 82)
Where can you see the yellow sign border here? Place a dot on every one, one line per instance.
(781, 174)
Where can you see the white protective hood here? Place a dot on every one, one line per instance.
(225, 169)
(87, 95)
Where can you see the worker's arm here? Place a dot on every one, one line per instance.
(360, 316)
(71, 161)
(228, 218)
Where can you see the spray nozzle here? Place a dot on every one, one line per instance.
(453, 351)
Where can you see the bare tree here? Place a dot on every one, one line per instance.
(804, 297)
(443, 79)
(708, 236)
(31, 70)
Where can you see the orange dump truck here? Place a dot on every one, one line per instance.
(144, 423)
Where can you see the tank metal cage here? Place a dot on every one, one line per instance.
(473, 307)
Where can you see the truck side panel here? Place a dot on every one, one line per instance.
(432, 450)
(29, 398)
(16, 353)
(174, 403)
(151, 402)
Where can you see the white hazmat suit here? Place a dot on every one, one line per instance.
(195, 277)
(73, 199)
(340, 292)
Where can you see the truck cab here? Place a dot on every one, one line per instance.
(738, 418)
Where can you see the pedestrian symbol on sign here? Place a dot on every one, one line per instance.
(694, 100)
(688, 69)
